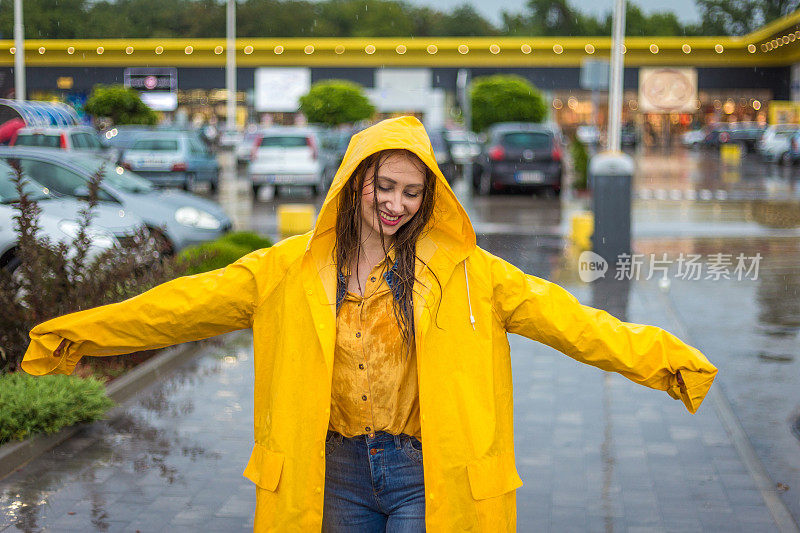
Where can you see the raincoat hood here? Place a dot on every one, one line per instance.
(449, 229)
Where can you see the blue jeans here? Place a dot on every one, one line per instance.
(373, 484)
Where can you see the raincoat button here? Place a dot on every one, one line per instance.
(309, 292)
(318, 490)
(430, 495)
(358, 334)
(322, 454)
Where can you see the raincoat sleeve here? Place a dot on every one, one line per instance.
(647, 355)
(181, 310)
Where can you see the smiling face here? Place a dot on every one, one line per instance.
(398, 191)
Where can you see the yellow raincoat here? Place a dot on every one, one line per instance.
(286, 294)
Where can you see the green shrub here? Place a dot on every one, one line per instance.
(580, 164)
(120, 104)
(248, 239)
(222, 252)
(505, 98)
(334, 102)
(46, 404)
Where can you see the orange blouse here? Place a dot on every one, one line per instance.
(374, 381)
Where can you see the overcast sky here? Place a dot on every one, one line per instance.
(685, 10)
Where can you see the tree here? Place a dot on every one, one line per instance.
(739, 17)
(334, 102)
(120, 104)
(504, 98)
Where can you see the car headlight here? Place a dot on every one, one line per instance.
(196, 218)
(100, 238)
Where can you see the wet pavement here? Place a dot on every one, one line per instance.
(596, 452)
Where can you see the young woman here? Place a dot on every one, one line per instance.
(382, 331)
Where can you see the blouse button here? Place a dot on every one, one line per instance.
(358, 334)
(372, 278)
(360, 366)
(364, 397)
(368, 428)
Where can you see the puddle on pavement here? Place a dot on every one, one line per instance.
(94, 456)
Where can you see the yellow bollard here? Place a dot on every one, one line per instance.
(730, 154)
(294, 219)
(581, 230)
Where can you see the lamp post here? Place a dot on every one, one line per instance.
(230, 65)
(19, 53)
(615, 89)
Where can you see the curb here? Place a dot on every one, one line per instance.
(16, 454)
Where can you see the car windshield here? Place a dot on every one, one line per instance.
(116, 175)
(528, 140)
(38, 139)
(156, 145)
(8, 190)
(784, 134)
(283, 141)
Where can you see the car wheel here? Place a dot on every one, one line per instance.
(188, 182)
(256, 188)
(786, 158)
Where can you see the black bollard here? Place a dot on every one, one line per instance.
(610, 176)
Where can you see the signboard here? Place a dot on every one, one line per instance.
(594, 75)
(157, 86)
(279, 89)
(667, 90)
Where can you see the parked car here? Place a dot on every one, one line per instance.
(244, 149)
(588, 134)
(110, 226)
(745, 135)
(694, 138)
(171, 158)
(444, 159)
(464, 145)
(333, 145)
(176, 218)
(716, 134)
(286, 156)
(68, 138)
(774, 144)
(120, 138)
(629, 135)
(230, 138)
(522, 156)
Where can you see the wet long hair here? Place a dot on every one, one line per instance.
(347, 249)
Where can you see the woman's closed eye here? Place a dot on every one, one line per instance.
(409, 194)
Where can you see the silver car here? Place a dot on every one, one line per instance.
(58, 220)
(176, 218)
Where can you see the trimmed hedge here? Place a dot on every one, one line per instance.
(222, 252)
(45, 404)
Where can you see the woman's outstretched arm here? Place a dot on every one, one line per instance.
(181, 310)
(647, 355)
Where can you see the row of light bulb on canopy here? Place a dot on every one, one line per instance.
(433, 49)
(774, 44)
(728, 107)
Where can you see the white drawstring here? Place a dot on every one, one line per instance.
(469, 301)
